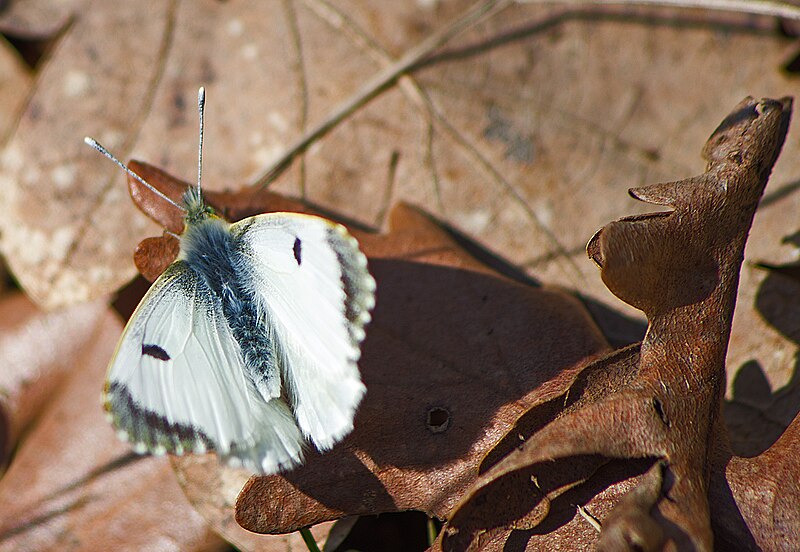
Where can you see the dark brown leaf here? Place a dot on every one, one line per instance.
(454, 354)
(213, 489)
(153, 255)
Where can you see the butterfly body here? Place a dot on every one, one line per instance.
(248, 343)
(215, 255)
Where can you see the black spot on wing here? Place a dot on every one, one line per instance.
(296, 248)
(155, 351)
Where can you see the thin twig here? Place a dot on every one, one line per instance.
(751, 7)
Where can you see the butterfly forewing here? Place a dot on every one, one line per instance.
(177, 382)
(314, 287)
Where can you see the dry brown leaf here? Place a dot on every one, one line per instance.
(754, 500)
(37, 351)
(212, 490)
(661, 400)
(36, 18)
(73, 485)
(630, 525)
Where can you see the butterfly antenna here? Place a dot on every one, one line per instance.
(201, 106)
(96, 145)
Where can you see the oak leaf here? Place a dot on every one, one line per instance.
(660, 400)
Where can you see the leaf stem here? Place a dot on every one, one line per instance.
(433, 531)
(308, 538)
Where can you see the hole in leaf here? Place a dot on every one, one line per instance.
(660, 411)
(438, 420)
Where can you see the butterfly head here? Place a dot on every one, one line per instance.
(193, 205)
(196, 208)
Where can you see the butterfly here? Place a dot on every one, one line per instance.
(248, 343)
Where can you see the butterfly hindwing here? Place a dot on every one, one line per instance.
(177, 382)
(314, 287)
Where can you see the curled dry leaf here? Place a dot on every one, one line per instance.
(71, 483)
(454, 354)
(660, 400)
(629, 525)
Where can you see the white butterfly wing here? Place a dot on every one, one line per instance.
(177, 382)
(316, 292)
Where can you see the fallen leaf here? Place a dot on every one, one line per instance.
(64, 215)
(454, 353)
(660, 400)
(31, 372)
(212, 490)
(754, 500)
